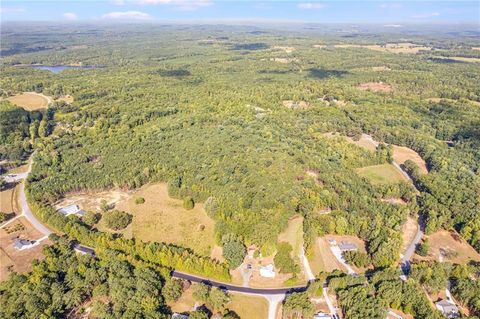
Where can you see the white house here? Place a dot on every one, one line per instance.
(447, 308)
(267, 271)
(322, 315)
(22, 244)
(70, 210)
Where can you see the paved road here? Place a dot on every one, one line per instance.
(233, 288)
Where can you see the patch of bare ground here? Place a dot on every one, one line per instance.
(404, 47)
(381, 68)
(284, 48)
(394, 201)
(296, 105)
(375, 87)
(284, 60)
(92, 200)
(438, 100)
(66, 98)
(319, 46)
(409, 229)
(217, 253)
(453, 248)
(12, 259)
(399, 313)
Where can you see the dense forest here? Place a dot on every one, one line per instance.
(203, 109)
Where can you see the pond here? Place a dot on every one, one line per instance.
(59, 68)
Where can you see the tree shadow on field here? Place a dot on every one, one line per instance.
(250, 46)
(174, 73)
(324, 74)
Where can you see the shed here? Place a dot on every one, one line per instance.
(267, 271)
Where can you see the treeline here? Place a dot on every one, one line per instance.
(64, 283)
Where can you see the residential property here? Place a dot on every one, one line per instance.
(347, 246)
(22, 244)
(322, 315)
(84, 250)
(267, 271)
(332, 242)
(179, 316)
(447, 308)
(71, 210)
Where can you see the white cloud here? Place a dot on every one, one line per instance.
(12, 10)
(426, 15)
(126, 15)
(311, 5)
(179, 4)
(391, 6)
(70, 16)
(118, 2)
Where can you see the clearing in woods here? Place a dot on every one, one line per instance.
(381, 174)
(30, 101)
(455, 249)
(409, 229)
(163, 219)
(402, 154)
(405, 47)
(375, 87)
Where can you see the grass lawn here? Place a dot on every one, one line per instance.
(316, 261)
(381, 174)
(163, 219)
(250, 307)
(293, 234)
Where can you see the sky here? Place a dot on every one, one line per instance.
(388, 11)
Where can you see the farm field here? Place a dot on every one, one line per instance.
(163, 219)
(13, 259)
(381, 174)
(30, 101)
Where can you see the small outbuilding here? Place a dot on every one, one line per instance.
(71, 210)
(179, 316)
(22, 244)
(448, 308)
(322, 315)
(267, 271)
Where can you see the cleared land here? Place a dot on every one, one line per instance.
(405, 47)
(409, 229)
(459, 58)
(18, 260)
(381, 174)
(163, 219)
(30, 101)
(284, 48)
(293, 234)
(402, 154)
(93, 200)
(245, 306)
(454, 248)
(296, 105)
(375, 87)
(66, 98)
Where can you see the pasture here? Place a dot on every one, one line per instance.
(381, 174)
(454, 249)
(30, 101)
(163, 219)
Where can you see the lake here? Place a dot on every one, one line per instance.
(59, 68)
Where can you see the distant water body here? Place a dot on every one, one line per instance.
(59, 68)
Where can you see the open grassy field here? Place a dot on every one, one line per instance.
(405, 47)
(293, 234)
(250, 307)
(163, 219)
(7, 200)
(13, 259)
(375, 87)
(402, 154)
(408, 232)
(381, 174)
(30, 101)
(324, 260)
(455, 249)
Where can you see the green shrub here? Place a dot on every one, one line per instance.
(188, 203)
(117, 220)
(139, 200)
